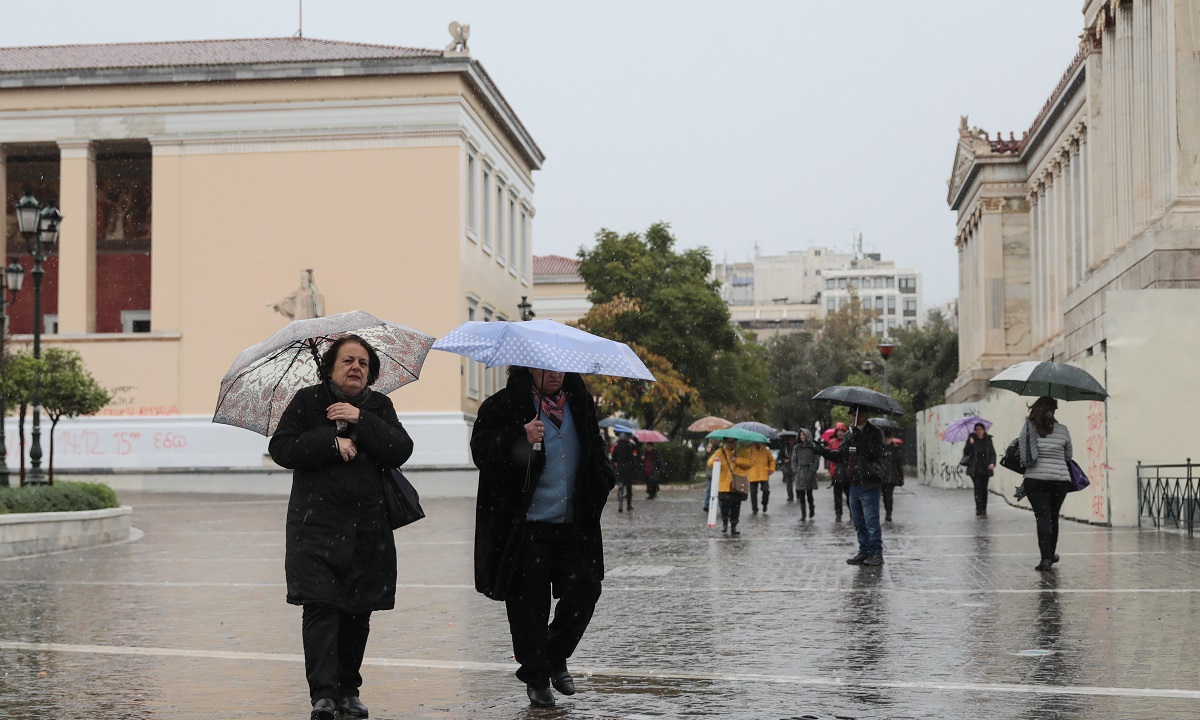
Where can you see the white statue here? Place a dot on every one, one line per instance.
(458, 43)
(304, 302)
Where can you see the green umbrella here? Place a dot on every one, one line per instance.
(737, 433)
(1056, 380)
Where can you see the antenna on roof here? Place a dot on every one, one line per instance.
(300, 32)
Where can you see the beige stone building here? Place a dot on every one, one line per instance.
(198, 178)
(1079, 241)
(559, 293)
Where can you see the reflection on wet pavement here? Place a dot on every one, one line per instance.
(190, 621)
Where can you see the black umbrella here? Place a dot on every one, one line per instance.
(885, 423)
(1057, 380)
(854, 395)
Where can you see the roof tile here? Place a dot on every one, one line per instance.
(554, 265)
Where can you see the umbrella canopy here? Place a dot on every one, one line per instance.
(262, 380)
(624, 429)
(959, 429)
(544, 344)
(737, 433)
(852, 395)
(1057, 380)
(885, 423)
(828, 434)
(708, 424)
(615, 421)
(761, 428)
(650, 436)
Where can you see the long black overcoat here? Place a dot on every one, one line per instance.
(508, 473)
(340, 550)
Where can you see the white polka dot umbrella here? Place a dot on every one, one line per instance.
(544, 344)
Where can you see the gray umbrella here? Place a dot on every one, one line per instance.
(1056, 380)
(885, 423)
(854, 395)
(615, 421)
(758, 427)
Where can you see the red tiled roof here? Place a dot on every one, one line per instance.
(554, 265)
(196, 53)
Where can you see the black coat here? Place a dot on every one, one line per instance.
(869, 461)
(625, 461)
(339, 549)
(979, 454)
(508, 473)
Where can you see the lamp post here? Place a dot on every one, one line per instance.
(885, 351)
(39, 226)
(526, 309)
(868, 367)
(14, 277)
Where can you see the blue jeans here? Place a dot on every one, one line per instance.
(864, 512)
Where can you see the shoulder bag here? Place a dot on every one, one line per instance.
(1079, 480)
(401, 499)
(739, 483)
(1012, 458)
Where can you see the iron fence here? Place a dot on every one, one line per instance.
(1169, 495)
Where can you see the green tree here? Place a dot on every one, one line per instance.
(828, 352)
(18, 375)
(666, 303)
(68, 390)
(925, 361)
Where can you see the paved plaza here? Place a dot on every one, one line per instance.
(189, 621)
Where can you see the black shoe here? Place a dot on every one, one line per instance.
(724, 527)
(789, 499)
(324, 709)
(873, 560)
(1044, 565)
(888, 518)
(620, 508)
(1055, 559)
(838, 518)
(856, 560)
(563, 682)
(540, 696)
(734, 531)
(352, 707)
(755, 512)
(764, 509)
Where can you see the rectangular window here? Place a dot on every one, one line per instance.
(485, 222)
(501, 242)
(891, 323)
(879, 327)
(135, 321)
(841, 283)
(829, 283)
(512, 235)
(879, 302)
(891, 282)
(908, 283)
(525, 251)
(831, 304)
(472, 366)
(910, 307)
(472, 198)
(891, 305)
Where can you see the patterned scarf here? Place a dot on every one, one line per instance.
(551, 405)
(339, 396)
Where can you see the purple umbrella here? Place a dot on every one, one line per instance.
(959, 429)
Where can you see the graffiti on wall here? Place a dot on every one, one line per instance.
(1096, 461)
(125, 403)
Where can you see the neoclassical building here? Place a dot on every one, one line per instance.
(1099, 194)
(1079, 241)
(198, 179)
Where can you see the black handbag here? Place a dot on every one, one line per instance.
(1012, 458)
(401, 499)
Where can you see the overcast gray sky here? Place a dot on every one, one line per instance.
(785, 124)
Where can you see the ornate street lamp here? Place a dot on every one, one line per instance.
(526, 309)
(885, 351)
(868, 367)
(39, 226)
(14, 277)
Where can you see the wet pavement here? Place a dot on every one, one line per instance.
(189, 621)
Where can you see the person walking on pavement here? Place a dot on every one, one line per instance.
(340, 555)
(625, 465)
(804, 462)
(1045, 448)
(980, 454)
(862, 453)
(651, 470)
(895, 471)
(837, 471)
(732, 461)
(783, 460)
(543, 483)
(762, 464)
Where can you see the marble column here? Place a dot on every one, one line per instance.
(77, 240)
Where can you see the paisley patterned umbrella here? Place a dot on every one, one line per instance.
(262, 380)
(708, 424)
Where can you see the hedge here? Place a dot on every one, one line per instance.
(59, 497)
(679, 462)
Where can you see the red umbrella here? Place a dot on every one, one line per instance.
(650, 436)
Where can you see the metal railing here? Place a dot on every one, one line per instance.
(1169, 495)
